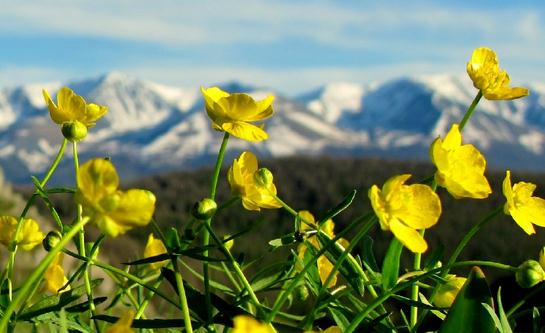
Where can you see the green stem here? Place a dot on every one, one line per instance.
(414, 288)
(535, 291)
(144, 304)
(208, 222)
(81, 240)
(13, 246)
(37, 274)
(182, 297)
(470, 110)
(283, 297)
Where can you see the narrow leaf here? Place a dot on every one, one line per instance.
(390, 266)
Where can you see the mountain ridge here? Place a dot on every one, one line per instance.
(153, 128)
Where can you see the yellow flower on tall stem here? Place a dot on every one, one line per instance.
(73, 113)
(234, 113)
(484, 70)
(29, 235)
(405, 209)
(114, 211)
(255, 186)
(460, 168)
(54, 277)
(524, 208)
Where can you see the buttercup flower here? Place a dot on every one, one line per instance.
(123, 324)
(404, 209)
(113, 211)
(233, 113)
(324, 265)
(246, 181)
(525, 209)
(247, 324)
(54, 277)
(460, 168)
(73, 113)
(155, 247)
(484, 70)
(29, 235)
(446, 293)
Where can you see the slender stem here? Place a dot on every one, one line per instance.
(208, 222)
(13, 247)
(470, 110)
(182, 297)
(283, 297)
(535, 291)
(81, 240)
(37, 274)
(147, 300)
(414, 288)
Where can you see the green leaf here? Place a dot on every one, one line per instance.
(368, 254)
(434, 257)
(390, 266)
(467, 313)
(505, 327)
(339, 208)
(56, 302)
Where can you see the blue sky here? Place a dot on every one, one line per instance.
(291, 46)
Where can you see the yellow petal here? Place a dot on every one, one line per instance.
(264, 109)
(96, 179)
(155, 247)
(70, 103)
(93, 112)
(247, 324)
(534, 210)
(245, 131)
(324, 269)
(214, 110)
(421, 207)
(54, 277)
(123, 324)
(508, 192)
(135, 208)
(523, 220)
(409, 237)
(447, 292)
(30, 235)
(379, 206)
(393, 184)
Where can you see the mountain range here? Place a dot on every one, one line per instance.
(152, 128)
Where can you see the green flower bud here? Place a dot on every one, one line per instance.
(529, 273)
(228, 244)
(302, 292)
(263, 177)
(204, 209)
(51, 240)
(74, 130)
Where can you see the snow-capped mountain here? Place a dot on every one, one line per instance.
(152, 128)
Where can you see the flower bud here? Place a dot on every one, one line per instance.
(204, 209)
(51, 240)
(529, 273)
(74, 130)
(302, 292)
(263, 177)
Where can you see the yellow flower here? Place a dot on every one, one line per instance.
(324, 265)
(123, 324)
(525, 209)
(446, 293)
(155, 247)
(232, 113)
(247, 324)
(54, 277)
(114, 211)
(484, 70)
(246, 181)
(460, 168)
(404, 209)
(73, 113)
(29, 235)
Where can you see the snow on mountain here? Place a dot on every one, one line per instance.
(152, 128)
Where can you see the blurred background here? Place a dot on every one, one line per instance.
(362, 88)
